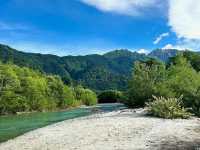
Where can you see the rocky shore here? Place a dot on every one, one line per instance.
(118, 130)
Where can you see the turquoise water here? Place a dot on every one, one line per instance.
(15, 125)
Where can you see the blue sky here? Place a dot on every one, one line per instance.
(79, 27)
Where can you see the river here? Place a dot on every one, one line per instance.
(12, 126)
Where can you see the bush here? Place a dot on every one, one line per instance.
(68, 97)
(111, 96)
(85, 96)
(169, 108)
(89, 97)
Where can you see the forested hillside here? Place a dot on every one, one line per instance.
(99, 72)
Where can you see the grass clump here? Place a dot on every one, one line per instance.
(168, 108)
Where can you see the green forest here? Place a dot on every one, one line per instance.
(164, 80)
(109, 71)
(26, 90)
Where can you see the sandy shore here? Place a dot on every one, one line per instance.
(120, 130)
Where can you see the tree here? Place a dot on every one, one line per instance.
(8, 78)
(9, 86)
(111, 96)
(142, 86)
(11, 102)
(179, 79)
(193, 58)
(34, 89)
(184, 80)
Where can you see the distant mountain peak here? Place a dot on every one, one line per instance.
(122, 53)
(163, 54)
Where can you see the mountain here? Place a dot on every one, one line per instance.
(99, 72)
(163, 54)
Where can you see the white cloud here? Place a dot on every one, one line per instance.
(126, 7)
(184, 18)
(160, 37)
(189, 44)
(185, 44)
(143, 51)
(170, 46)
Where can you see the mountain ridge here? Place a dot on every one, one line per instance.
(99, 72)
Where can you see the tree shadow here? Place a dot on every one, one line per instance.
(180, 145)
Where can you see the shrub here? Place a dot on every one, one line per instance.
(89, 97)
(169, 108)
(85, 96)
(111, 96)
(68, 97)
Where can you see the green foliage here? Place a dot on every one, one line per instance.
(180, 78)
(85, 96)
(89, 98)
(146, 76)
(111, 96)
(196, 107)
(183, 80)
(97, 72)
(68, 98)
(193, 58)
(22, 89)
(169, 108)
(11, 103)
(60, 93)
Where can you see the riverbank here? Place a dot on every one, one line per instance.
(117, 130)
(12, 126)
(31, 112)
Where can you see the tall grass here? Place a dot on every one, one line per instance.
(169, 108)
